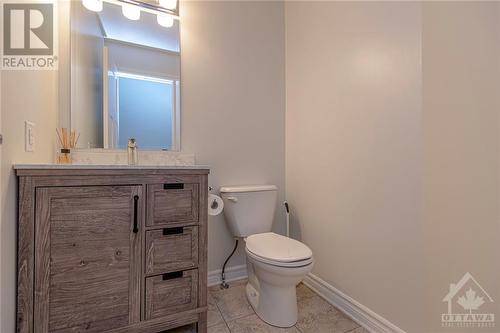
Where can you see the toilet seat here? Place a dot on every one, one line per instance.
(278, 250)
(293, 264)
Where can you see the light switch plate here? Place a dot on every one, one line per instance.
(29, 136)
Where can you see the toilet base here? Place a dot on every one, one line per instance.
(265, 304)
(252, 295)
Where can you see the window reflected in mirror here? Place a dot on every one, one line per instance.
(150, 121)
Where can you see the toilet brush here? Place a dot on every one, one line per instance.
(287, 211)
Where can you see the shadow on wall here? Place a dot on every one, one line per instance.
(295, 228)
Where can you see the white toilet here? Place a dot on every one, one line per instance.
(276, 264)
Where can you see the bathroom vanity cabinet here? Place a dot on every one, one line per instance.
(111, 249)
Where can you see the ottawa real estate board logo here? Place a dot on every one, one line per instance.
(468, 305)
(29, 35)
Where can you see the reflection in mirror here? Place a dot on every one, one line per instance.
(125, 76)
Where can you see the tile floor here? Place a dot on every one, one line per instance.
(230, 312)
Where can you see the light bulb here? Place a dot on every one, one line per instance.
(131, 12)
(165, 20)
(169, 4)
(93, 5)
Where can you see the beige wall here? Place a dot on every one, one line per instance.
(233, 109)
(26, 95)
(461, 95)
(353, 148)
(392, 150)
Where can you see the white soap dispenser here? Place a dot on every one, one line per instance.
(132, 152)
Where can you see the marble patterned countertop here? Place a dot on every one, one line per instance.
(108, 159)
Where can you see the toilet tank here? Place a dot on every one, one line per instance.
(249, 209)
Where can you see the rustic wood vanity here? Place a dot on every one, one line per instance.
(111, 248)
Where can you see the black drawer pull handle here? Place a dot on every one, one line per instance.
(170, 276)
(172, 231)
(173, 186)
(136, 227)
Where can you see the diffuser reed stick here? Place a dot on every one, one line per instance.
(67, 140)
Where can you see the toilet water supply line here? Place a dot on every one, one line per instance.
(224, 284)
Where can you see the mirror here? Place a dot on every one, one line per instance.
(125, 74)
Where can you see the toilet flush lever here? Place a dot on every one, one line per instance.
(233, 199)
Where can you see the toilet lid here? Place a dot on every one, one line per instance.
(292, 264)
(277, 248)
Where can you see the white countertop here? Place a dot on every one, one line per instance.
(105, 167)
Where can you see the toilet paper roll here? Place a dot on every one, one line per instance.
(215, 205)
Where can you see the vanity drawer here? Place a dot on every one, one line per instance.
(171, 293)
(173, 203)
(171, 249)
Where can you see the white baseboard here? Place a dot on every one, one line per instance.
(232, 274)
(352, 308)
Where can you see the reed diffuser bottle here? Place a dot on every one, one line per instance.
(68, 140)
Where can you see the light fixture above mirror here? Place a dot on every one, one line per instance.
(165, 10)
(93, 5)
(165, 20)
(131, 12)
(168, 4)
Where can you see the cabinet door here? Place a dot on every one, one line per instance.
(87, 258)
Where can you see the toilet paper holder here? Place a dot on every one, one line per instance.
(215, 203)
